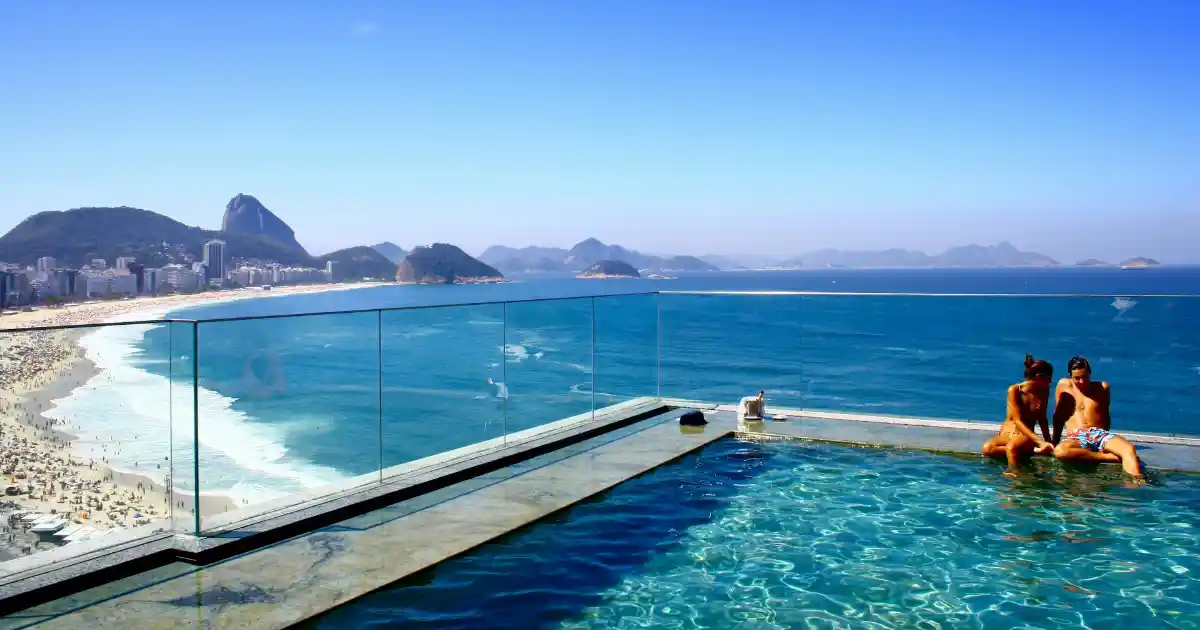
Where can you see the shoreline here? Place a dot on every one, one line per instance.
(105, 312)
(39, 458)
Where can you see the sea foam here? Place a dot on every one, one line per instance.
(143, 422)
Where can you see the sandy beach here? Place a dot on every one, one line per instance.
(41, 471)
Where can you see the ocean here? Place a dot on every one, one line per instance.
(298, 402)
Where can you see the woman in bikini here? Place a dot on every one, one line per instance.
(1027, 402)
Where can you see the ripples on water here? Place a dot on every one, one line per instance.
(809, 535)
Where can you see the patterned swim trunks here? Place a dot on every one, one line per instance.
(1091, 438)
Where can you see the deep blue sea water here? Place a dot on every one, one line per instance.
(783, 534)
(296, 402)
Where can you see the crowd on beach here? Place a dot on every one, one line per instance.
(43, 470)
(43, 475)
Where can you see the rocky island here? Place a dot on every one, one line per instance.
(1139, 262)
(442, 263)
(1092, 262)
(610, 269)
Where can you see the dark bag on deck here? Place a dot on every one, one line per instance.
(692, 418)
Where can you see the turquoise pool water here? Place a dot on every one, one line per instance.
(783, 534)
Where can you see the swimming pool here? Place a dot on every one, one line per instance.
(787, 534)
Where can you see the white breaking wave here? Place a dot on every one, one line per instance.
(516, 353)
(142, 422)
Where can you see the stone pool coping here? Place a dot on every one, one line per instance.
(317, 570)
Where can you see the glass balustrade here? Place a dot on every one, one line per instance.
(180, 426)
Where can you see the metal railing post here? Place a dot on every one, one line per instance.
(196, 423)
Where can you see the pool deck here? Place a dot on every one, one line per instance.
(310, 573)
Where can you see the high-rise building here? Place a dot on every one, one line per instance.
(138, 271)
(63, 281)
(99, 264)
(123, 284)
(214, 259)
(329, 264)
(152, 281)
(46, 263)
(7, 284)
(123, 262)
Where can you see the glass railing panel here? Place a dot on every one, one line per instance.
(443, 384)
(84, 440)
(179, 339)
(626, 354)
(720, 348)
(548, 364)
(288, 410)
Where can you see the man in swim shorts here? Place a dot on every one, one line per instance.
(1082, 407)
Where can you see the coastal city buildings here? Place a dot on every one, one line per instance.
(46, 282)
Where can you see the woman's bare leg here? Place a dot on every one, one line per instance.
(1017, 448)
(996, 447)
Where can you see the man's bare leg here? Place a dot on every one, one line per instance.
(1070, 450)
(1122, 448)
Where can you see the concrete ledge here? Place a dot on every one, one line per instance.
(970, 425)
(1159, 452)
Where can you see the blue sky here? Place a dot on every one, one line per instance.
(1071, 128)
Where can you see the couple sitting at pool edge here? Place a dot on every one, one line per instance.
(1081, 407)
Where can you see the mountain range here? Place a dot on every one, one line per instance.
(1001, 255)
(250, 231)
(582, 256)
(391, 251)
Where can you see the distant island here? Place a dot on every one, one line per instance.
(442, 263)
(543, 259)
(1139, 262)
(583, 255)
(968, 256)
(610, 269)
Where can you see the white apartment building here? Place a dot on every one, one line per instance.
(180, 277)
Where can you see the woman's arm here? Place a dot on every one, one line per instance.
(1014, 403)
(1045, 426)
